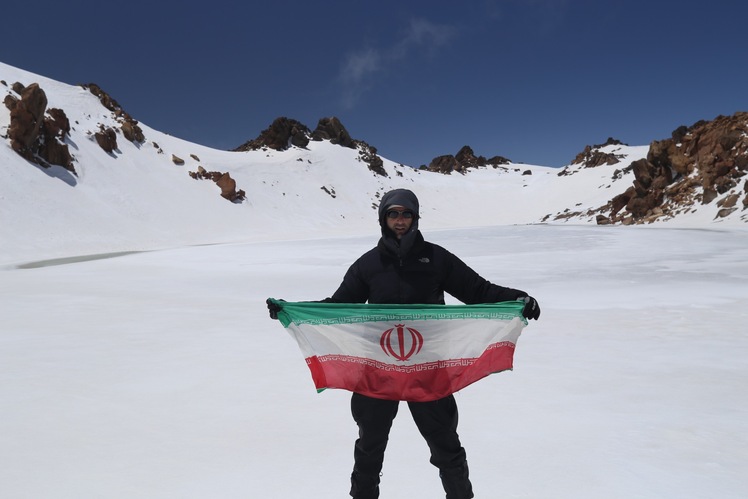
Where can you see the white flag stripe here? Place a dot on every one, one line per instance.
(451, 339)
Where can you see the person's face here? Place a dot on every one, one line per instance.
(399, 220)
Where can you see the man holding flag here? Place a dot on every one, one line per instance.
(405, 269)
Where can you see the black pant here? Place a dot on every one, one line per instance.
(437, 422)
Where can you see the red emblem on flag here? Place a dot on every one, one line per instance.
(403, 344)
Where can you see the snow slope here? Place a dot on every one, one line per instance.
(137, 198)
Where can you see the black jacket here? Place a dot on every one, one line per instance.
(422, 275)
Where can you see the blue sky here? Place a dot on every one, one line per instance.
(531, 80)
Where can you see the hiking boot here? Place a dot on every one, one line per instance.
(364, 486)
(456, 482)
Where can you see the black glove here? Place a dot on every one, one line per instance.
(532, 309)
(274, 308)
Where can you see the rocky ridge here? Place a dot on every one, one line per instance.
(40, 135)
(463, 161)
(286, 132)
(701, 164)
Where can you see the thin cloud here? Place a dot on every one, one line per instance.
(361, 64)
(425, 34)
(359, 69)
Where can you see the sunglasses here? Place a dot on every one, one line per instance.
(394, 214)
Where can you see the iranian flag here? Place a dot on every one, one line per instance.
(403, 352)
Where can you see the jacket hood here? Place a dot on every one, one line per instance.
(408, 200)
(398, 197)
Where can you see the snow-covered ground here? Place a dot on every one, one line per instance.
(137, 358)
(159, 374)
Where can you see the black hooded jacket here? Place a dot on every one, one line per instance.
(413, 271)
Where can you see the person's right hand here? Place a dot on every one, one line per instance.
(273, 308)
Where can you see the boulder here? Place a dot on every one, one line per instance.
(107, 139)
(26, 119)
(223, 181)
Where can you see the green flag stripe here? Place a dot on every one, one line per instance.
(348, 313)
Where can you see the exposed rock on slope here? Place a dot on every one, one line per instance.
(128, 124)
(223, 181)
(462, 161)
(592, 156)
(333, 130)
(281, 134)
(35, 133)
(700, 164)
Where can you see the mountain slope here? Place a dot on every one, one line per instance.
(141, 196)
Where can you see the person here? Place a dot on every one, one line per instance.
(405, 269)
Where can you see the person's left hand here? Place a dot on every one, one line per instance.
(532, 309)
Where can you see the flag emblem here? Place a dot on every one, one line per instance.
(407, 342)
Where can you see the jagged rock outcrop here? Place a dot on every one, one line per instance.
(224, 182)
(592, 156)
(368, 154)
(280, 135)
(697, 165)
(464, 159)
(35, 133)
(130, 128)
(333, 130)
(285, 132)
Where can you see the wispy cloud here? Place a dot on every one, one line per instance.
(362, 69)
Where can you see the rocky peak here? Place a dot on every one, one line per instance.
(280, 135)
(463, 160)
(592, 156)
(333, 130)
(285, 132)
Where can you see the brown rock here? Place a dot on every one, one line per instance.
(224, 182)
(445, 164)
(592, 157)
(278, 136)
(729, 201)
(368, 155)
(130, 128)
(57, 124)
(227, 185)
(463, 160)
(26, 120)
(107, 140)
(34, 135)
(132, 131)
(333, 130)
(697, 164)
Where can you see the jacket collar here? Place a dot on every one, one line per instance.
(390, 245)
